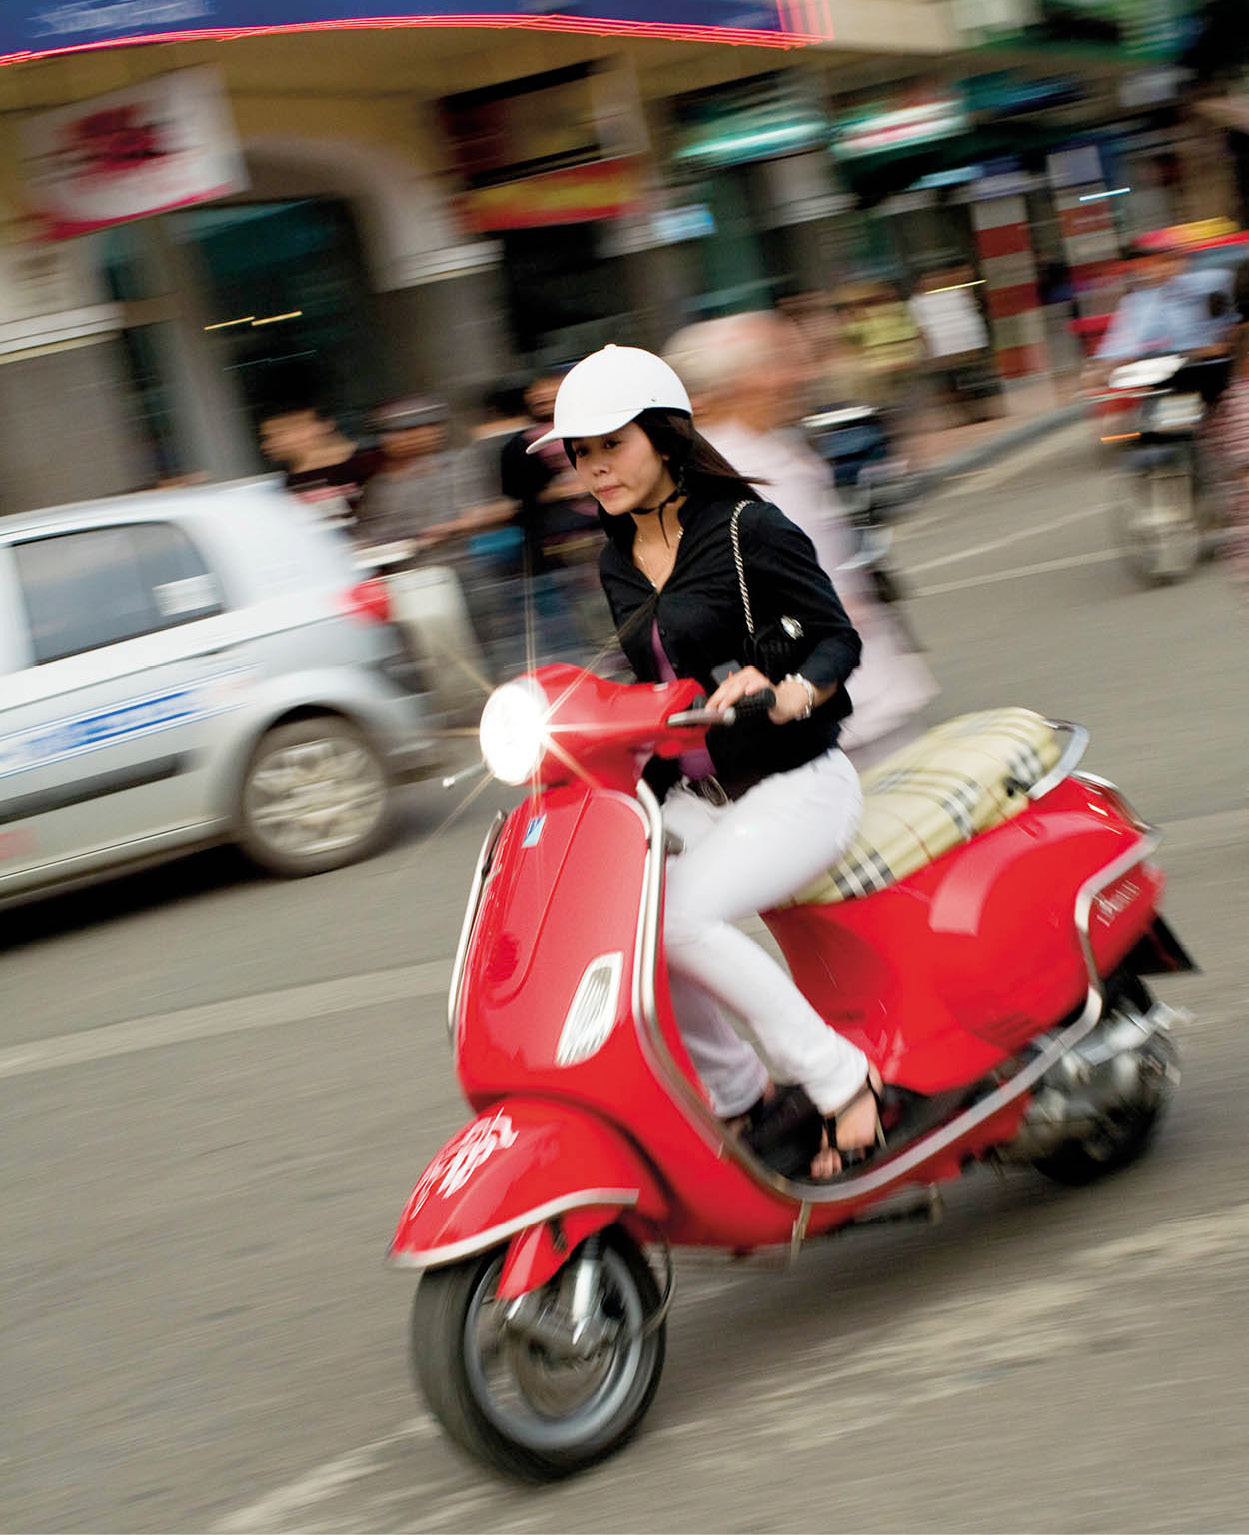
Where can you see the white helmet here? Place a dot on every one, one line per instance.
(612, 387)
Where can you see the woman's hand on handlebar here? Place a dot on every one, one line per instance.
(791, 698)
(736, 686)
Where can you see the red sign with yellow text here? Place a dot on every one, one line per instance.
(577, 194)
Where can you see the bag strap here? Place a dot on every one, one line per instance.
(741, 571)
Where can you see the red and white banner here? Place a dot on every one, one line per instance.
(166, 144)
(1004, 246)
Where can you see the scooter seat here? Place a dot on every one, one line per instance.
(958, 779)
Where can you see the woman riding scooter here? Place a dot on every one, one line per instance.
(702, 575)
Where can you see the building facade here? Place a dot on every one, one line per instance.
(425, 205)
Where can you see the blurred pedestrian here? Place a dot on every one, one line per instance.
(746, 375)
(838, 371)
(562, 536)
(423, 487)
(559, 520)
(956, 340)
(501, 416)
(883, 332)
(483, 537)
(324, 468)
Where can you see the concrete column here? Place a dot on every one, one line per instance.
(210, 408)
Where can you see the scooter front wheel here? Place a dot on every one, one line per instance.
(547, 1385)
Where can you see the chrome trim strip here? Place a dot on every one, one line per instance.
(1142, 848)
(644, 959)
(1077, 745)
(874, 1178)
(1116, 793)
(437, 1257)
(470, 916)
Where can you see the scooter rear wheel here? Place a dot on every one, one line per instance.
(510, 1393)
(1076, 1163)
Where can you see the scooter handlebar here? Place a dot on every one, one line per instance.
(702, 718)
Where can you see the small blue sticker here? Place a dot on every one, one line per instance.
(533, 831)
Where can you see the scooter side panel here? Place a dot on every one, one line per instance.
(952, 970)
(564, 893)
(550, 916)
(523, 1163)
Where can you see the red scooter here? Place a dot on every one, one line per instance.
(984, 942)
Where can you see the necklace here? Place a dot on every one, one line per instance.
(642, 560)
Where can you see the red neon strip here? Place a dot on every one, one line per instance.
(692, 33)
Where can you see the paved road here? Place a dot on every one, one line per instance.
(217, 1092)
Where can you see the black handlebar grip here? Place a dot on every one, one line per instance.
(750, 707)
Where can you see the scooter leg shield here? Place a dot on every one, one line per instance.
(524, 1166)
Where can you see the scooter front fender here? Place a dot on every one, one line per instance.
(537, 1174)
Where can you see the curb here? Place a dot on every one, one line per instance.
(1002, 446)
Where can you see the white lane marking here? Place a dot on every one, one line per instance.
(237, 1015)
(990, 546)
(993, 475)
(1015, 464)
(1019, 573)
(943, 1350)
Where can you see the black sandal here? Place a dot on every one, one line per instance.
(855, 1156)
(785, 1132)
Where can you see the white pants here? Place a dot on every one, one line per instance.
(740, 859)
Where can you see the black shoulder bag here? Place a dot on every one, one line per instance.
(777, 649)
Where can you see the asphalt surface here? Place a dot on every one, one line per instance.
(217, 1092)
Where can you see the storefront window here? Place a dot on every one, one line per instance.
(292, 312)
(564, 301)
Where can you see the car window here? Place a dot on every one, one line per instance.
(182, 585)
(103, 585)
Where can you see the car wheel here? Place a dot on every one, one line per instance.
(314, 797)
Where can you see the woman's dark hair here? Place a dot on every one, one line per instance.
(693, 463)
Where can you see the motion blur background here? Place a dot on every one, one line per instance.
(220, 1088)
(423, 204)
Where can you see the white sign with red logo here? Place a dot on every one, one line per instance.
(166, 144)
(460, 1158)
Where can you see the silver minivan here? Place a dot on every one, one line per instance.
(195, 666)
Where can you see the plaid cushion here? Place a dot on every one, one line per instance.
(965, 776)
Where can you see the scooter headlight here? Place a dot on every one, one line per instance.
(513, 730)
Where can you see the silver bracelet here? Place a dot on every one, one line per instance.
(810, 687)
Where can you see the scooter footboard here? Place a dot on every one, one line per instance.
(539, 1174)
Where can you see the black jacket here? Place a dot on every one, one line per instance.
(702, 624)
